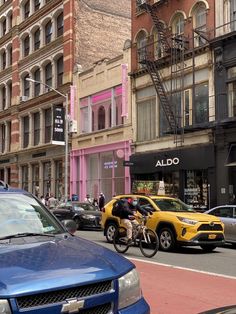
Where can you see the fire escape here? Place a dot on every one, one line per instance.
(154, 65)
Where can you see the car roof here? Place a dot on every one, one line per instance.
(144, 195)
(5, 188)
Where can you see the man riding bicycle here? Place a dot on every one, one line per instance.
(128, 213)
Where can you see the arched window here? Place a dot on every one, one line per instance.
(4, 60)
(48, 32)
(26, 9)
(48, 74)
(178, 24)
(36, 5)
(26, 46)
(37, 39)
(158, 49)
(141, 45)
(60, 24)
(26, 86)
(10, 55)
(37, 84)
(4, 26)
(101, 118)
(3, 97)
(200, 19)
(60, 71)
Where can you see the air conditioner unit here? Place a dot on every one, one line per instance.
(23, 98)
(73, 126)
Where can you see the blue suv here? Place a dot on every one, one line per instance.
(45, 269)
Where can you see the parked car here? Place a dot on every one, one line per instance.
(227, 214)
(174, 222)
(46, 269)
(85, 215)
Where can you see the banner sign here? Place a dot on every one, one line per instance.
(58, 134)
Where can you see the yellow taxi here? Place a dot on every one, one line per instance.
(174, 222)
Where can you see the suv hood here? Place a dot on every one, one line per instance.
(194, 215)
(62, 262)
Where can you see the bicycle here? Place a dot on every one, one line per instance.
(145, 238)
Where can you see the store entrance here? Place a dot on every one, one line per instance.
(232, 184)
(196, 189)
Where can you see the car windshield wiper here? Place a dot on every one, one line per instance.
(27, 234)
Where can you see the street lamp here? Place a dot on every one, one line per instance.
(66, 130)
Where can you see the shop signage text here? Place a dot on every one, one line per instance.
(167, 162)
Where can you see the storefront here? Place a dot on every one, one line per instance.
(100, 169)
(188, 173)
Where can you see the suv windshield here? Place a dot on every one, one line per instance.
(172, 205)
(22, 214)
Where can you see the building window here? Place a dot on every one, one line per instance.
(146, 120)
(60, 71)
(10, 55)
(158, 47)
(37, 39)
(4, 27)
(36, 5)
(48, 74)
(48, 32)
(46, 178)
(101, 118)
(35, 178)
(231, 84)
(3, 97)
(10, 21)
(25, 131)
(3, 137)
(4, 60)
(26, 46)
(25, 173)
(178, 25)
(26, 86)
(233, 15)
(37, 84)
(36, 118)
(9, 85)
(201, 103)
(58, 179)
(200, 23)
(60, 24)
(27, 9)
(141, 46)
(48, 125)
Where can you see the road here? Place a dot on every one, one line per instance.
(187, 281)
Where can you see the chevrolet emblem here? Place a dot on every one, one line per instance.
(72, 306)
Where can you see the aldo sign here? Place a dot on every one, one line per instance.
(167, 162)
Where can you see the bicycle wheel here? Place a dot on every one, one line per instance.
(120, 240)
(149, 243)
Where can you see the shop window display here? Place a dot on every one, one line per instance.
(196, 189)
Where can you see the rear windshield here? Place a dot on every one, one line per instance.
(172, 205)
(22, 213)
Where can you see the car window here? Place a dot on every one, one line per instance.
(224, 212)
(144, 203)
(22, 213)
(173, 205)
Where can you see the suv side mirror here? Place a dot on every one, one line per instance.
(70, 226)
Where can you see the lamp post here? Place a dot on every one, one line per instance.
(66, 130)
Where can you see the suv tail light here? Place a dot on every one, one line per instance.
(103, 209)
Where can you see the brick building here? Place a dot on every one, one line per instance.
(47, 41)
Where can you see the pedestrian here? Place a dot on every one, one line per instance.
(52, 201)
(88, 199)
(101, 201)
(95, 202)
(42, 199)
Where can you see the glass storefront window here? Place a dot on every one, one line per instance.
(35, 179)
(46, 178)
(58, 179)
(25, 172)
(196, 189)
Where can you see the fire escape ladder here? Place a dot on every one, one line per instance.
(164, 100)
(163, 33)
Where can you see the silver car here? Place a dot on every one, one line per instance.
(227, 214)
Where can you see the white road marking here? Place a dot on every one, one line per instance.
(183, 268)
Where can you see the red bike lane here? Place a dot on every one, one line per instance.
(172, 290)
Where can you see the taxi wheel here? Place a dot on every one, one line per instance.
(110, 231)
(166, 239)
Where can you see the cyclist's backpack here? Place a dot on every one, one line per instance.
(117, 208)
